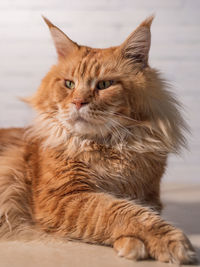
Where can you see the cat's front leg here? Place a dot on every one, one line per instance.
(155, 238)
(173, 248)
(133, 230)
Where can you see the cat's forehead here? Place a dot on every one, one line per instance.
(96, 52)
(92, 62)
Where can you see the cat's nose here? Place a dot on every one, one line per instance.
(78, 102)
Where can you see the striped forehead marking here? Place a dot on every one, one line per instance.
(88, 66)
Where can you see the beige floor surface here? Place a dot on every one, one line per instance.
(182, 208)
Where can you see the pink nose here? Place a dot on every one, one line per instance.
(79, 102)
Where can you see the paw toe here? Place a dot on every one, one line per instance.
(130, 248)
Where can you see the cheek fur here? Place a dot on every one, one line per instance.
(113, 96)
(61, 93)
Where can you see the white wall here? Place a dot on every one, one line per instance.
(26, 53)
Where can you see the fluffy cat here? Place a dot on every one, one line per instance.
(89, 167)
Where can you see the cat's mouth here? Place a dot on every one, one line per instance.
(86, 125)
(80, 119)
(88, 121)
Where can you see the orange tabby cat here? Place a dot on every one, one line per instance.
(89, 167)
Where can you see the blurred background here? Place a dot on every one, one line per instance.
(27, 52)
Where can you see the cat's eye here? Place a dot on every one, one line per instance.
(104, 84)
(69, 84)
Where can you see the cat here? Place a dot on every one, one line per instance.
(89, 166)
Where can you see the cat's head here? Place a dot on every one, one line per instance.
(97, 93)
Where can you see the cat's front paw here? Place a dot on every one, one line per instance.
(173, 247)
(130, 248)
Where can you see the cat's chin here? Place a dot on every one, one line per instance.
(82, 127)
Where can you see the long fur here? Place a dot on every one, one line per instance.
(89, 166)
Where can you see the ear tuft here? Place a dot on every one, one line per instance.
(64, 45)
(148, 21)
(137, 45)
(48, 22)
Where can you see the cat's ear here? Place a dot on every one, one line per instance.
(64, 45)
(136, 46)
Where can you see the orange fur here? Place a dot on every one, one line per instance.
(89, 167)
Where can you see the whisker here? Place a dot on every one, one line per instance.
(122, 116)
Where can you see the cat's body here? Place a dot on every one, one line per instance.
(89, 167)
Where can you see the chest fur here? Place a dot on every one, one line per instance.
(125, 173)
